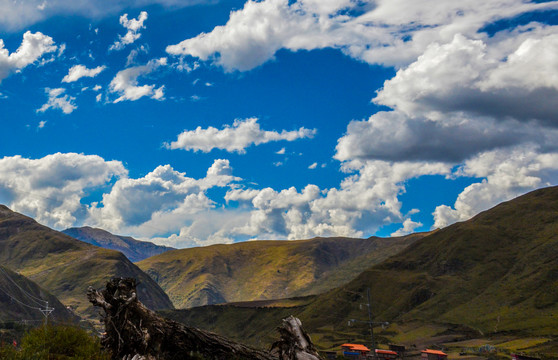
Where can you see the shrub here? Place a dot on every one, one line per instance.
(58, 342)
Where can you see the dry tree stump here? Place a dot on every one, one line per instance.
(295, 343)
(134, 332)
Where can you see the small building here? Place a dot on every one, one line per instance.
(386, 354)
(355, 351)
(430, 354)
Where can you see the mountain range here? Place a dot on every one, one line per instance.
(263, 270)
(135, 250)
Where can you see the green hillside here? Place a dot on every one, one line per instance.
(134, 250)
(21, 299)
(259, 270)
(496, 272)
(65, 266)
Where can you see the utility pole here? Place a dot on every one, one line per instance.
(370, 323)
(46, 312)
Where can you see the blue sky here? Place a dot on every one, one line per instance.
(189, 123)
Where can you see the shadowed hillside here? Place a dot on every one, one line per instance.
(134, 250)
(21, 299)
(252, 325)
(65, 266)
(259, 270)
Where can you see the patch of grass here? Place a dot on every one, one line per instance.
(522, 344)
(409, 334)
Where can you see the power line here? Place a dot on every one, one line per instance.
(31, 297)
(21, 321)
(44, 309)
(16, 300)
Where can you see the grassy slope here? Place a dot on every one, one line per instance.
(258, 270)
(134, 250)
(65, 266)
(495, 275)
(495, 272)
(255, 326)
(380, 249)
(11, 285)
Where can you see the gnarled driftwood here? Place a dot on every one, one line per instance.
(133, 332)
(295, 343)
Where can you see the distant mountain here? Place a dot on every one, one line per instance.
(260, 270)
(22, 299)
(494, 274)
(135, 250)
(65, 266)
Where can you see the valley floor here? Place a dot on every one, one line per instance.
(458, 342)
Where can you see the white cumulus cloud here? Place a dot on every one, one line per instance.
(76, 72)
(251, 36)
(409, 226)
(58, 100)
(32, 48)
(381, 33)
(505, 174)
(394, 136)
(133, 27)
(125, 83)
(164, 201)
(49, 189)
(235, 138)
(514, 75)
(361, 204)
(465, 97)
(165, 204)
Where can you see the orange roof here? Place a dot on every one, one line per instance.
(357, 347)
(436, 352)
(380, 351)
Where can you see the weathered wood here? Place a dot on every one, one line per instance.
(133, 332)
(295, 343)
